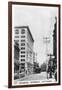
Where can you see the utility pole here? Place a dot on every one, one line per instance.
(51, 64)
(46, 40)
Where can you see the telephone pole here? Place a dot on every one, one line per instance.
(46, 40)
(50, 64)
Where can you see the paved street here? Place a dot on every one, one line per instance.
(40, 76)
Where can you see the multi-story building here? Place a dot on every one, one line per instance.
(55, 48)
(55, 41)
(16, 60)
(53, 57)
(24, 37)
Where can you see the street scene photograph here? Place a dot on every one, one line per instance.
(34, 45)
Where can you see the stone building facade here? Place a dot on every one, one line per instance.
(25, 40)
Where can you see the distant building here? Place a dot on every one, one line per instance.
(55, 45)
(52, 64)
(24, 37)
(55, 39)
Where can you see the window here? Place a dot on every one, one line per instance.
(22, 36)
(22, 55)
(23, 68)
(22, 51)
(22, 48)
(17, 41)
(22, 44)
(16, 31)
(22, 64)
(16, 36)
(22, 40)
(22, 59)
(22, 31)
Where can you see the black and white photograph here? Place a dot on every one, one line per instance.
(35, 44)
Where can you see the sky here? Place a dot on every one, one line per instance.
(41, 23)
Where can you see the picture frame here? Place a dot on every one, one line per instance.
(24, 16)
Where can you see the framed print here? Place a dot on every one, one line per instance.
(33, 44)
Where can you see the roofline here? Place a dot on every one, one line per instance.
(27, 28)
